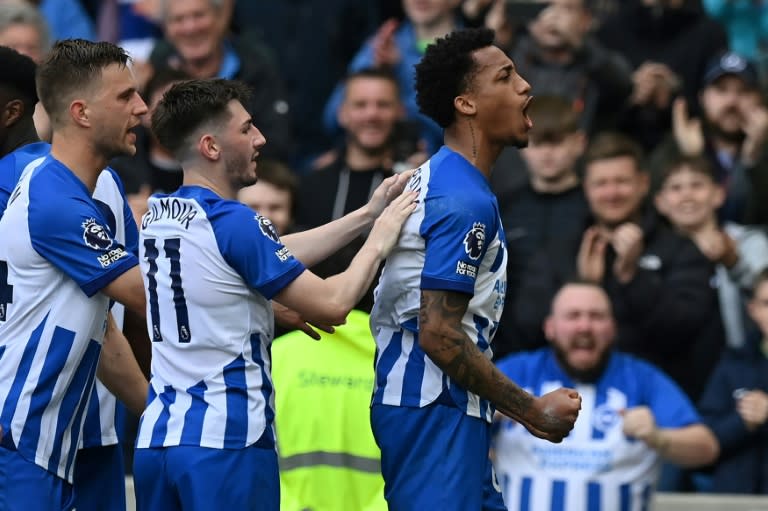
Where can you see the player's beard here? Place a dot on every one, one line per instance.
(240, 170)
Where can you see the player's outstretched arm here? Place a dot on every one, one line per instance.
(328, 301)
(120, 372)
(128, 289)
(443, 339)
(314, 245)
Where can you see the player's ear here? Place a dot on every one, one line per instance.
(12, 112)
(209, 147)
(78, 110)
(465, 105)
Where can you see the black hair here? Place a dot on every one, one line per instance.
(446, 70)
(188, 105)
(17, 80)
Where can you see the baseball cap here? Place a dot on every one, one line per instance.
(731, 63)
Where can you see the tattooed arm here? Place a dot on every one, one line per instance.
(443, 339)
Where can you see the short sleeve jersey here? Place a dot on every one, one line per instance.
(210, 268)
(453, 241)
(57, 254)
(595, 467)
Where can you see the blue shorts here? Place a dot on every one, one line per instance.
(192, 478)
(24, 485)
(100, 479)
(435, 457)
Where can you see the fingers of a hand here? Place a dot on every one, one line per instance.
(325, 328)
(309, 331)
(679, 112)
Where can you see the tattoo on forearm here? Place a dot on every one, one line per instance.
(454, 352)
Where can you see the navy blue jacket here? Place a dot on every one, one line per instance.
(743, 463)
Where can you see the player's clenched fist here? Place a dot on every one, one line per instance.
(553, 415)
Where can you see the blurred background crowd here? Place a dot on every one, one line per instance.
(646, 172)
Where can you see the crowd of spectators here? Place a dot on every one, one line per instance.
(646, 172)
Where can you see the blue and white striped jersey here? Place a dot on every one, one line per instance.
(596, 468)
(109, 195)
(453, 241)
(57, 254)
(101, 416)
(210, 267)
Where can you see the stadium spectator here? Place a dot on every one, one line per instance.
(658, 281)
(732, 133)
(689, 198)
(197, 42)
(399, 46)
(735, 406)
(633, 417)
(550, 206)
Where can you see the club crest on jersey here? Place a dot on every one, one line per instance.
(95, 235)
(268, 228)
(474, 241)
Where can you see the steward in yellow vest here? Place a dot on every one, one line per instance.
(329, 460)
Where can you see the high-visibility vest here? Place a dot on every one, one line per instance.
(329, 460)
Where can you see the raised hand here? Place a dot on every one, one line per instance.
(687, 131)
(385, 50)
(755, 129)
(553, 415)
(627, 242)
(590, 260)
(717, 246)
(640, 423)
(752, 407)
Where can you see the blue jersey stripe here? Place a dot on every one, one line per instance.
(558, 495)
(459, 396)
(387, 361)
(92, 426)
(55, 359)
(625, 497)
(594, 491)
(236, 430)
(192, 431)
(2, 350)
(12, 401)
(266, 387)
(525, 494)
(414, 375)
(646, 500)
(499, 255)
(151, 396)
(167, 398)
(84, 378)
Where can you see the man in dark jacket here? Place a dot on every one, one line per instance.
(197, 43)
(658, 281)
(735, 406)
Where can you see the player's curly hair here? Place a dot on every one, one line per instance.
(446, 70)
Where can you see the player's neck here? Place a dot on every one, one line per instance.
(80, 157)
(472, 144)
(207, 179)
